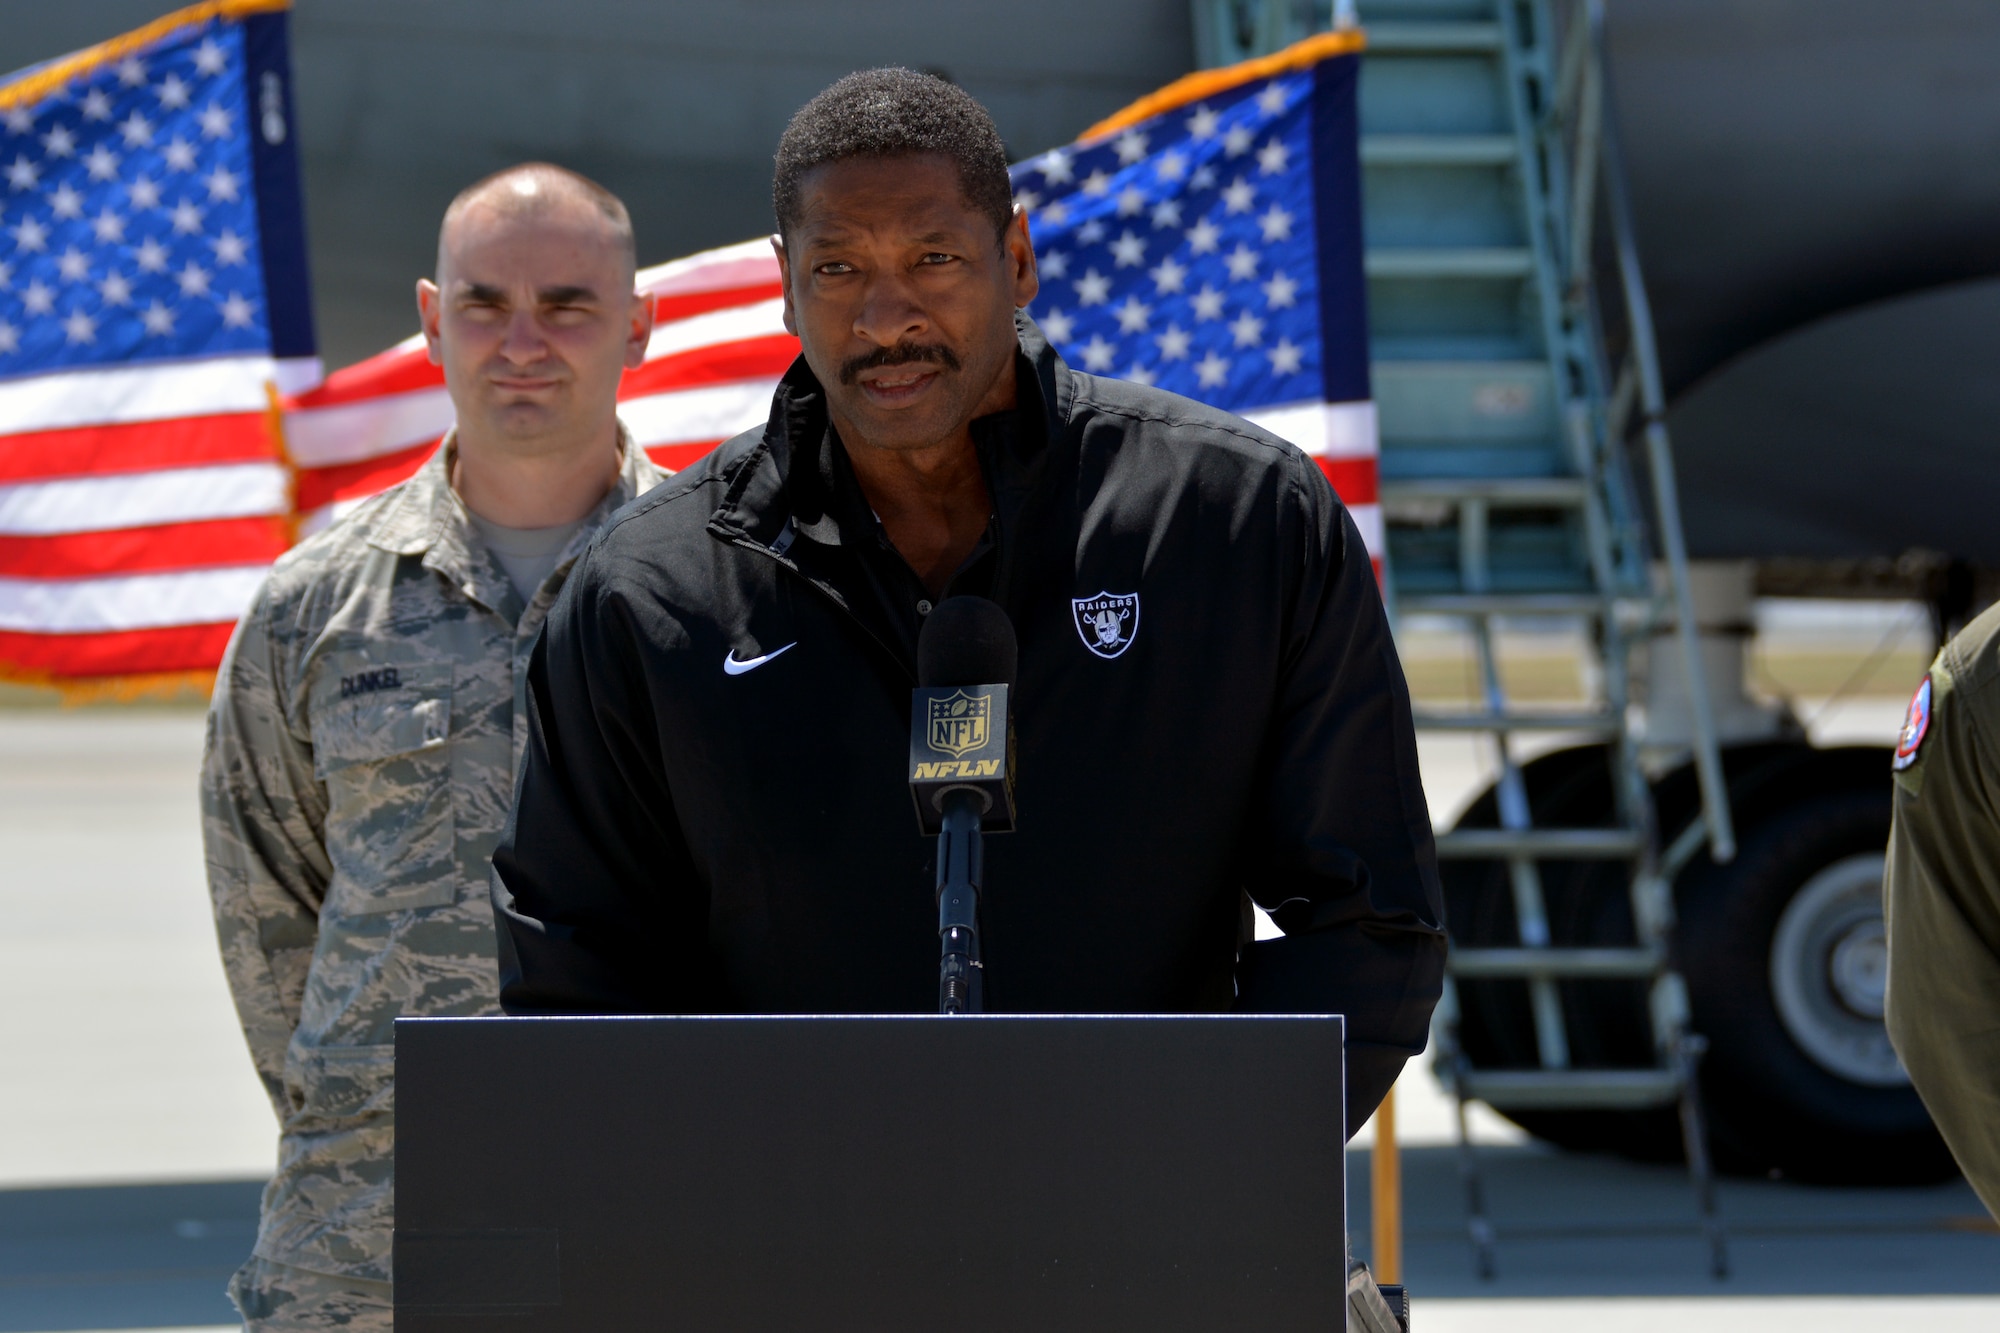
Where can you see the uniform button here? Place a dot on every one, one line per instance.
(923, 607)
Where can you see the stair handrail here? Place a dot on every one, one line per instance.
(1600, 122)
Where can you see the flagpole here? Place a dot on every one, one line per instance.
(1385, 1169)
(274, 422)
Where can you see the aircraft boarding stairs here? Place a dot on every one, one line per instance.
(1509, 387)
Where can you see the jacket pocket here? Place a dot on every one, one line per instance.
(345, 1082)
(330, 1208)
(382, 747)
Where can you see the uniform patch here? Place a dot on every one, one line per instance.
(1107, 622)
(1916, 724)
(368, 682)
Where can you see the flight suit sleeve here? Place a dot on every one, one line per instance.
(1340, 850)
(263, 811)
(595, 896)
(1941, 895)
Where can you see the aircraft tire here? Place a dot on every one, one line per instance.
(1782, 952)
(1753, 938)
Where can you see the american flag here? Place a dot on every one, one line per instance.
(153, 303)
(718, 349)
(1207, 240)
(133, 532)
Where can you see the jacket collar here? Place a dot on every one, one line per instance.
(781, 487)
(425, 517)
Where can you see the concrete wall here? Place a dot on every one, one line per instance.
(675, 104)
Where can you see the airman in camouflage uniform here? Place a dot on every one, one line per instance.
(1941, 897)
(363, 739)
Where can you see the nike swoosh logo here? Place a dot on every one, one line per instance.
(736, 668)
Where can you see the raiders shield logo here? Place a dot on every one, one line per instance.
(960, 723)
(1108, 622)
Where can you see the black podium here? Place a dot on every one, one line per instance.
(878, 1174)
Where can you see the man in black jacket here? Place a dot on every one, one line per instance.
(713, 816)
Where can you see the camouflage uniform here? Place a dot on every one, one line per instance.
(362, 744)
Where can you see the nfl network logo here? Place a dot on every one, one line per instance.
(1107, 622)
(960, 723)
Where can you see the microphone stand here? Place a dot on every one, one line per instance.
(961, 869)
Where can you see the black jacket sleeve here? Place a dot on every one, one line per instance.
(599, 909)
(1339, 850)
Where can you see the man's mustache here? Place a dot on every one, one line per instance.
(902, 354)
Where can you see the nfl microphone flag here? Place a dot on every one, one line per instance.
(1207, 239)
(153, 305)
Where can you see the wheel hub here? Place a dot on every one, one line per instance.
(1860, 968)
(1829, 971)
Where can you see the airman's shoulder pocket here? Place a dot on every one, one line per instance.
(364, 711)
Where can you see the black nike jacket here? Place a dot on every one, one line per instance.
(1209, 705)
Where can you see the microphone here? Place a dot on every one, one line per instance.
(962, 771)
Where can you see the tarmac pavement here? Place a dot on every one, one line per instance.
(113, 1011)
(133, 1136)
